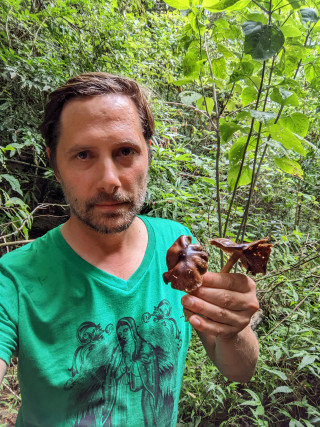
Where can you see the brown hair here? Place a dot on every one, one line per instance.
(92, 84)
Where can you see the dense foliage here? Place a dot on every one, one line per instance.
(234, 86)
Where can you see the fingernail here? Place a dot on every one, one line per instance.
(187, 301)
(195, 321)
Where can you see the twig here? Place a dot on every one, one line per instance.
(291, 312)
(18, 242)
(11, 391)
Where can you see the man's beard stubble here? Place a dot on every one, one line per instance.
(120, 219)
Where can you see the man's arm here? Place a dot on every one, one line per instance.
(226, 302)
(3, 369)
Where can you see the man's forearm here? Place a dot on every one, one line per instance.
(3, 369)
(235, 358)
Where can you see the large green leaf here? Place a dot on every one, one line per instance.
(263, 116)
(249, 94)
(309, 15)
(262, 42)
(219, 68)
(237, 149)
(289, 166)
(291, 31)
(284, 97)
(245, 178)
(287, 138)
(205, 104)
(297, 122)
(241, 71)
(227, 130)
(216, 6)
(178, 4)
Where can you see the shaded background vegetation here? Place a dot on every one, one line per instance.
(234, 86)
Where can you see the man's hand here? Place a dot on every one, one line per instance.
(3, 369)
(224, 305)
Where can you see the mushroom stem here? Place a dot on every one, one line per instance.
(230, 263)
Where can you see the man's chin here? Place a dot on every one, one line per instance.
(110, 225)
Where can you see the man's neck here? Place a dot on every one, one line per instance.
(119, 254)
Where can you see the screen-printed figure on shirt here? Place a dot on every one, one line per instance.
(125, 373)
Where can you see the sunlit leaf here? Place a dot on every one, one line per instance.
(287, 138)
(178, 4)
(263, 116)
(205, 104)
(297, 122)
(284, 97)
(249, 94)
(289, 166)
(245, 178)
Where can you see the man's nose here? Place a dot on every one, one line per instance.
(108, 177)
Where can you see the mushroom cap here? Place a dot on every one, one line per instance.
(186, 264)
(254, 256)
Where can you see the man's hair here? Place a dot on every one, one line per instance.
(93, 84)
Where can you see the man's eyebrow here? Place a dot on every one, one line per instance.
(84, 147)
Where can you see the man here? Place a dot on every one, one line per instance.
(82, 305)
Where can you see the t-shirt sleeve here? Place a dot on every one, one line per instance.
(8, 316)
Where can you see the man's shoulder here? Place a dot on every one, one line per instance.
(25, 255)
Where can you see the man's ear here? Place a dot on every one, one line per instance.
(48, 151)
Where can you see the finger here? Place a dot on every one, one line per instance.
(216, 329)
(230, 281)
(228, 299)
(217, 314)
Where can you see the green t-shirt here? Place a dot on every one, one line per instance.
(93, 349)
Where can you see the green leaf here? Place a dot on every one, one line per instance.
(219, 68)
(208, 180)
(249, 94)
(262, 42)
(189, 97)
(237, 149)
(227, 130)
(214, 6)
(308, 359)
(289, 166)
(309, 72)
(245, 178)
(287, 138)
(242, 70)
(178, 4)
(291, 31)
(191, 64)
(263, 116)
(282, 389)
(258, 17)
(201, 104)
(297, 122)
(280, 374)
(14, 183)
(309, 15)
(284, 97)
(184, 81)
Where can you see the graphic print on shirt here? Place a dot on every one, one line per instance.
(125, 374)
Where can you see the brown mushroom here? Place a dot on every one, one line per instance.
(253, 256)
(186, 264)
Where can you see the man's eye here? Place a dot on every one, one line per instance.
(126, 151)
(82, 155)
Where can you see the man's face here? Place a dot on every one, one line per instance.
(102, 161)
